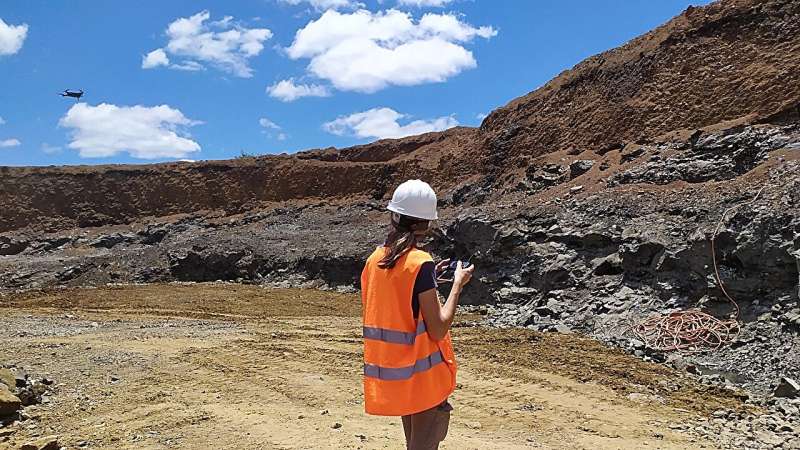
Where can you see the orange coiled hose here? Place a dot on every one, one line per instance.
(693, 330)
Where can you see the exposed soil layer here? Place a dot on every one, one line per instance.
(58, 198)
(229, 366)
(733, 59)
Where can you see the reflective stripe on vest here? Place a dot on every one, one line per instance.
(394, 336)
(403, 373)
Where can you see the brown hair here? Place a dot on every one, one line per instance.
(404, 235)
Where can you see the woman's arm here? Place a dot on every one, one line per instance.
(438, 317)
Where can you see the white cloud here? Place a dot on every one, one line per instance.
(366, 52)
(143, 132)
(481, 116)
(383, 123)
(156, 58)
(424, 3)
(268, 124)
(2, 121)
(189, 66)
(221, 43)
(323, 5)
(269, 127)
(10, 143)
(50, 149)
(12, 37)
(288, 91)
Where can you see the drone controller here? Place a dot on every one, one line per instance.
(449, 272)
(454, 265)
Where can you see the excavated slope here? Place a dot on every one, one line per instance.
(57, 198)
(733, 59)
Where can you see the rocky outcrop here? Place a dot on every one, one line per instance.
(713, 157)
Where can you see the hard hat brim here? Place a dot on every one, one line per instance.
(399, 210)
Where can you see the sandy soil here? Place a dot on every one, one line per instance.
(230, 366)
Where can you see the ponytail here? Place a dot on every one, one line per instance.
(404, 236)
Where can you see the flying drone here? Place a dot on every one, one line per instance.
(72, 93)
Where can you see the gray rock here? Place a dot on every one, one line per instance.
(579, 167)
(609, 265)
(112, 240)
(20, 377)
(10, 246)
(563, 329)
(787, 388)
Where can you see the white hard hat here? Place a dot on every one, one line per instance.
(414, 198)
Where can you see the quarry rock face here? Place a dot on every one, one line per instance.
(586, 205)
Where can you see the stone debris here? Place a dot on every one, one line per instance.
(579, 167)
(45, 443)
(19, 390)
(788, 388)
(779, 427)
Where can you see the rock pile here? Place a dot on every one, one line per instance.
(779, 428)
(18, 391)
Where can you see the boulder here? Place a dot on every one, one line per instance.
(638, 257)
(9, 246)
(609, 265)
(787, 388)
(111, 240)
(579, 167)
(9, 403)
(45, 443)
(27, 397)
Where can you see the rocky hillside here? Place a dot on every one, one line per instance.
(58, 198)
(587, 205)
(731, 60)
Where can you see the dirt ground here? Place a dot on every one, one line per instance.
(245, 367)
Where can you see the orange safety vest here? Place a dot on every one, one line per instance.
(405, 371)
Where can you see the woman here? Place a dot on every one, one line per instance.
(409, 366)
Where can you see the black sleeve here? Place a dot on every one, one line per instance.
(426, 280)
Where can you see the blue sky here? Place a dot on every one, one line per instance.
(196, 79)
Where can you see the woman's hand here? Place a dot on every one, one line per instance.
(438, 317)
(462, 276)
